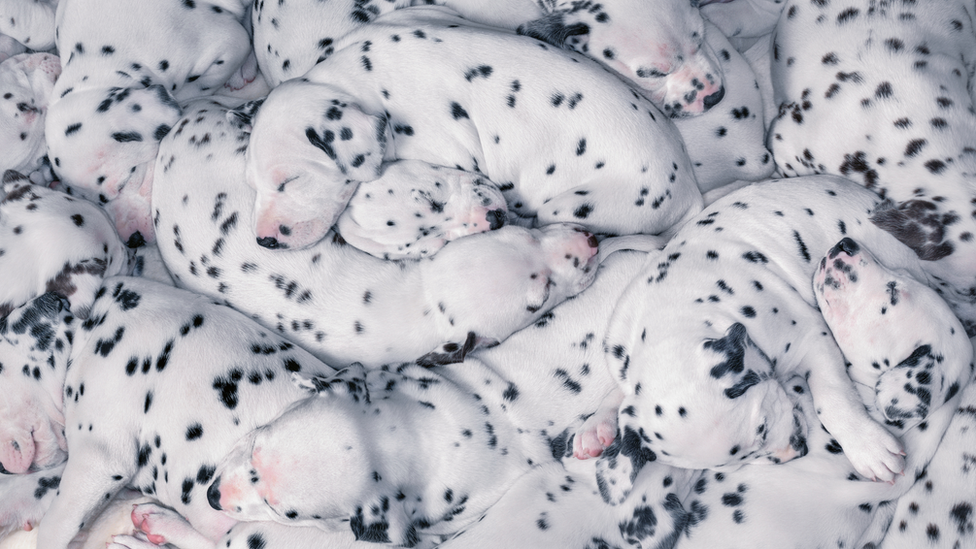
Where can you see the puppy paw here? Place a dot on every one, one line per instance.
(160, 525)
(137, 541)
(875, 453)
(596, 433)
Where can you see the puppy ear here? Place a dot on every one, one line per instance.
(349, 382)
(242, 117)
(453, 353)
(553, 29)
(918, 224)
(311, 145)
(39, 316)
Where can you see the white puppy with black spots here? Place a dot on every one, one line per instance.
(702, 386)
(124, 69)
(26, 84)
(52, 242)
(26, 25)
(337, 301)
(898, 79)
(565, 142)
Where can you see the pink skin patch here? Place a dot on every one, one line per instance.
(142, 521)
(17, 452)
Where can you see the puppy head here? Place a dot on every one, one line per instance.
(657, 45)
(415, 208)
(335, 474)
(892, 328)
(26, 84)
(701, 400)
(497, 282)
(310, 147)
(34, 349)
(105, 140)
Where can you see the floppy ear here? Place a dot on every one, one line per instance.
(553, 29)
(242, 117)
(350, 381)
(103, 140)
(739, 352)
(918, 224)
(311, 145)
(453, 353)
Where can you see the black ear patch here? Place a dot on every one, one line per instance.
(733, 346)
(452, 353)
(552, 29)
(242, 117)
(919, 225)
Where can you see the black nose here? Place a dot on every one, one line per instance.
(213, 494)
(846, 245)
(714, 99)
(271, 243)
(496, 219)
(136, 240)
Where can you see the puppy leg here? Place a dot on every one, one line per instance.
(873, 451)
(599, 430)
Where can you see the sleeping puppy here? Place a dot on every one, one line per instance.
(702, 385)
(125, 66)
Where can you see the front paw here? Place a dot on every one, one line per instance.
(875, 453)
(596, 434)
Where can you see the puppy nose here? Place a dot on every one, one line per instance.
(847, 246)
(270, 242)
(714, 99)
(213, 494)
(496, 219)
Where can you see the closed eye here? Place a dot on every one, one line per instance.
(647, 72)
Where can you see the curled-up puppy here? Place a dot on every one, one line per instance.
(415, 208)
(26, 84)
(53, 242)
(702, 386)
(561, 139)
(339, 302)
(125, 66)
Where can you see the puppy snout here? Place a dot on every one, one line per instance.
(496, 219)
(714, 99)
(847, 246)
(213, 494)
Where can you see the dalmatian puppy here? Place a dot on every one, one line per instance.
(26, 83)
(118, 92)
(886, 324)
(162, 383)
(746, 319)
(315, 138)
(897, 79)
(413, 209)
(378, 423)
(342, 304)
(30, 24)
(662, 48)
(914, 366)
(54, 243)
